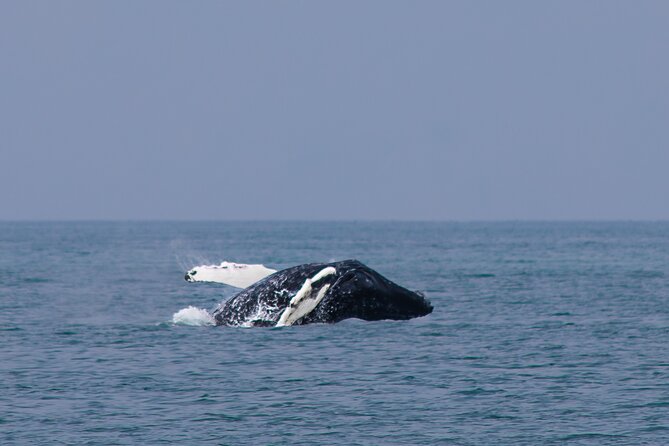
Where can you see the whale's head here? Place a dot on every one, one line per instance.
(365, 294)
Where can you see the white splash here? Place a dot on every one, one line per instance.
(263, 312)
(237, 275)
(193, 316)
(304, 302)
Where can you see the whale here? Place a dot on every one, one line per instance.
(321, 293)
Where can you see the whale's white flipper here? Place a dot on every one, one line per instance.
(305, 300)
(234, 274)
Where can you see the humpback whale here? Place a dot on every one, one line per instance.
(320, 293)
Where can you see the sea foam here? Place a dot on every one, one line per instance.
(193, 316)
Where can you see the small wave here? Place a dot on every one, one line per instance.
(35, 280)
(193, 316)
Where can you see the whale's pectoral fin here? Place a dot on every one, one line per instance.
(237, 275)
(306, 299)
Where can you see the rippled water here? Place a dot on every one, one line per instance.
(543, 333)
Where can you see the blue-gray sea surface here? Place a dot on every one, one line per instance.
(542, 333)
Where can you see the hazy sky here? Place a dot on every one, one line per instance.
(334, 110)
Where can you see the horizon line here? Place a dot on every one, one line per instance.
(336, 220)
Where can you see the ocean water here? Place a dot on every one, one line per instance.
(542, 333)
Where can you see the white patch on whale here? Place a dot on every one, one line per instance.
(263, 312)
(304, 300)
(237, 275)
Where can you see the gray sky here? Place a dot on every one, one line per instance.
(334, 110)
